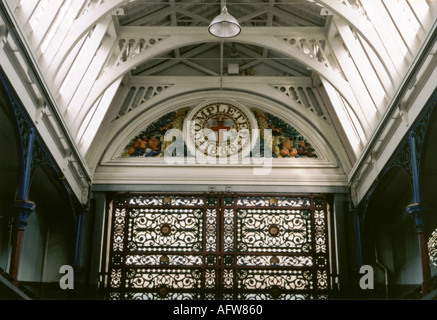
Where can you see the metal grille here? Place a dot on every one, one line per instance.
(218, 246)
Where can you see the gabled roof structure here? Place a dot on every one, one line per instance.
(341, 72)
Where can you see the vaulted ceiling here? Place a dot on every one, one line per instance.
(206, 59)
(331, 68)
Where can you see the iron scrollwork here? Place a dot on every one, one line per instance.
(218, 247)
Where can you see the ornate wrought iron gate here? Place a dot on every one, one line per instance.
(218, 246)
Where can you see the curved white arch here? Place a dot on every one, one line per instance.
(176, 41)
(266, 91)
(328, 170)
(369, 35)
(80, 27)
(236, 90)
(323, 142)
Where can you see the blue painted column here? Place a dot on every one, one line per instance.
(417, 188)
(418, 212)
(357, 228)
(22, 209)
(79, 217)
(79, 224)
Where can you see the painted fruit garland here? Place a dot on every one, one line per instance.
(150, 142)
(286, 141)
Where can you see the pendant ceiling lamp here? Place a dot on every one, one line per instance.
(224, 25)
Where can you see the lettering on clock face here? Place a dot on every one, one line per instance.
(220, 130)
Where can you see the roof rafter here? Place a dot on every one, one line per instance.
(80, 27)
(177, 37)
(170, 63)
(154, 16)
(259, 59)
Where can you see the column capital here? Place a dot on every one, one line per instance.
(417, 211)
(22, 210)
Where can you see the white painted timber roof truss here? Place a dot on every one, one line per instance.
(353, 55)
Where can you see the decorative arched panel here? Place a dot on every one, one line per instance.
(137, 152)
(287, 142)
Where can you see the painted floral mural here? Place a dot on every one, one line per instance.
(286, 141)
(150, 142)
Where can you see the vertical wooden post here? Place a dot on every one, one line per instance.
(22, 210)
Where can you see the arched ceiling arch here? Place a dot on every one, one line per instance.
(322, 138)
(164, 43)
(329, 163)
(354, 54)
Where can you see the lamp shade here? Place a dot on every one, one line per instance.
(224, 25)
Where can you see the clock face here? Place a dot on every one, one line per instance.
(219, 130)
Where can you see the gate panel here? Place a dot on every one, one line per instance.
(218, 246)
